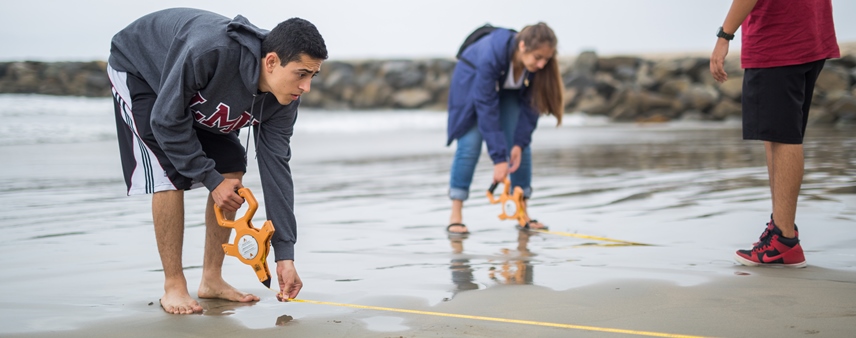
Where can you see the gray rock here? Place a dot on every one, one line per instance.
(705, 77)
(665, 69)
(314, 98)
(624, 87)
(643, 76)
(633, 103)
(570, 96)
(585, 63)
(842, 105)
(853, 77)
(411, 98)
(699, 97)
(625, 72)
(818, 115)
(590, 102)
(579, 81)
(437, 80)
(338, 75)
(692, 115)
(846, 120)
(403, 74)
(674, 87)
(732, 67)
(612, 64)
(833, 78)
(733, 88)
(440, 103)
(726, 108)
(25, 75)
(845, 61)
(373, 95)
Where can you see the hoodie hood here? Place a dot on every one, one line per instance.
(250, 38)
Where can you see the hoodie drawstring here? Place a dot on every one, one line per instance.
(259, 130)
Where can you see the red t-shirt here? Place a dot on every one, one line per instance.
(788, 32)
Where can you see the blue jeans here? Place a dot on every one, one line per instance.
(469, 148)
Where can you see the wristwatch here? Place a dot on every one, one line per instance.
(722, 34)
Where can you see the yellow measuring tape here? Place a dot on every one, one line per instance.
(568, 234)
(516, 321)
(501, 320)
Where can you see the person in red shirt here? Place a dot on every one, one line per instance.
(785, 45)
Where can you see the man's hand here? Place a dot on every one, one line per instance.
(515, 158)
(738, 12)
(500, 170)
(225, 196)
(289, 282)
(717, 60)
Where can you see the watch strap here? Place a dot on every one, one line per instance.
(722, 34)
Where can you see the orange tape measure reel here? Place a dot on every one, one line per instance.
(251, 245)
(512, 203)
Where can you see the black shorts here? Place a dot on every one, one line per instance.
(776, 102)
(146, 167)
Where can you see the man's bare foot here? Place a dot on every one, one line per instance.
(219, 289)
(178, 301)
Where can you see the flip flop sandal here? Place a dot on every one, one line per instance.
(448, 231)
(526, 227)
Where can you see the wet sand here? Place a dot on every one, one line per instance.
(79, 258)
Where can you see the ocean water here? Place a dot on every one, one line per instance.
(371, 204)
(43, 119)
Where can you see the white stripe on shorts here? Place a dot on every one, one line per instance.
(148, 175)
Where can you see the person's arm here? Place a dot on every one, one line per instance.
(172, 125)
(526, 124)
(487, 104)
(738, 12)
(273, 148)
(487, 111)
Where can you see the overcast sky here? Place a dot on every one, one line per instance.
(68, 30)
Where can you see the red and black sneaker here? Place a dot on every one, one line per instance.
(773, 250)
(770, 226)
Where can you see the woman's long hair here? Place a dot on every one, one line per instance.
(547, 87)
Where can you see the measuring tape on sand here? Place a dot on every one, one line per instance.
(617, 242)
(614, 242)
(494, 319)
(514, 208)
(514, 213)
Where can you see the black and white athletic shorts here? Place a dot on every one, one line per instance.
(776, 102)
(146, 168)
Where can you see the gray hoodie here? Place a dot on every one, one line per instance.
(205, 71)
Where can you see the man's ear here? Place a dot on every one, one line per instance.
(271, 60)
(521, 46)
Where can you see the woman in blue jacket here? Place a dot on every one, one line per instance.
(498, 90)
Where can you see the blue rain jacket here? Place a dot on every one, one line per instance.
(474, 95)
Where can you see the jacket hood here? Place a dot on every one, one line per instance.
(250, 37)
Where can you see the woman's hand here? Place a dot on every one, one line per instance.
(515, 158)
(500, 171)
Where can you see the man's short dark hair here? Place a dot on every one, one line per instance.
(293, 37)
